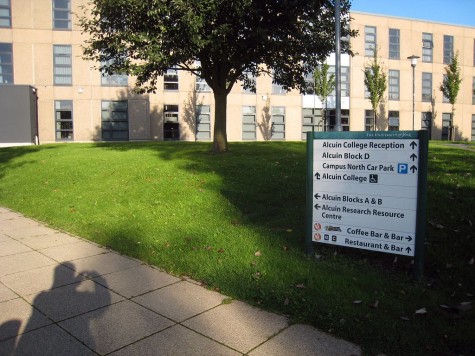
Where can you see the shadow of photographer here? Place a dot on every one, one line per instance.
(70, 295)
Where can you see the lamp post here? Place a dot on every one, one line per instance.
(337, 67)
(413, 59)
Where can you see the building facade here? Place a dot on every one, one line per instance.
(40, 46)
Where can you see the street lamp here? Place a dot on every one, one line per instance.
(413, 59)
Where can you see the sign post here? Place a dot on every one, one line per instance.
(367, 190)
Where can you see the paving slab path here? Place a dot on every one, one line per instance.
(63, 295)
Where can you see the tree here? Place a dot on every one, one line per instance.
(229, 39)
(375, 81)
(324, 84)
(450, 87)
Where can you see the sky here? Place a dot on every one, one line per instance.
(456, 12)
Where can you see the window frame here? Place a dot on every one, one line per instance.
(448, 49)
(369, 119)
(8, 18)
(394, 43)
(312, 120)
(249, 111)
(171, 79)
(57, 66)
(113, 80)
(277, 112)
(61, 106)
(394, 84)
(427, 47)
(171, 122)
(111, 107)
(393, 114)
(331, 119)
(426, 92)
(371, 40)
(344, 80)
(61, 10)
(6, 65)
(203, 111)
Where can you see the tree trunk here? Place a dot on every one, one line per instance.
(452, 126)
(220, 138)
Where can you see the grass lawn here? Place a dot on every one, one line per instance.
(236, 222)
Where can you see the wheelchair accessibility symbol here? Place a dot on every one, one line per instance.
(402, 168)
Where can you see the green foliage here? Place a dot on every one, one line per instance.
(375, 81)
(324, 82)
(228, 38)
(450, 86)
(236, 222)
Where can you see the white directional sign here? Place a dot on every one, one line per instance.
(365, 193)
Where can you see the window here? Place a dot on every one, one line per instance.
(474, 52)
(311, 121)
(444, 98)
(309, 83)
(393, 121)
(426, 86)
(344, 80)
(6, 63)
(345, 120)
(170, 80)
(115, 120)
(393, 84)
(394, 43)
(248, 122)
(61, 14)
(62, 65)
(448, 49)
(113, 80)
(171, 127)
(278, 89)
(473, 128)
(370, 41)
(369, 120)
(5, 13)
(201, 85)
(426, 121)
(367, 94)
(250, 78)
(473, 90)
(278, 123)
(203, 122)
(446, 125)
(427, 46)
(64, 120)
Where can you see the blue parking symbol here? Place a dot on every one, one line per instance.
(402, 168)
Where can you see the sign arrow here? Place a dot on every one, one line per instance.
(413, 157)
(409, 238)
(408, 249)
(413, 169)
(317, 175)
(317, 196)
(317, 206)
(413, 144)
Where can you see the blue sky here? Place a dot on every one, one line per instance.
(457, 12)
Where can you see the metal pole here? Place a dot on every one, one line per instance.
(337, 66)
(413, 59)
(413, 95)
